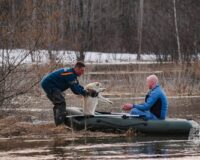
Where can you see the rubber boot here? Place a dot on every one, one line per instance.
(59, 114)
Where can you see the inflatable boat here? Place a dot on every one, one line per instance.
(111, 122)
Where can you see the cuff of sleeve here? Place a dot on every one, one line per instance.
(85, 93)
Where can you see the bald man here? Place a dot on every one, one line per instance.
(155, 105)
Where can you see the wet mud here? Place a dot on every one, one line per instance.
(12, 126)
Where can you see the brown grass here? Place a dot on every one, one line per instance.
(175, 79)
(130, 79)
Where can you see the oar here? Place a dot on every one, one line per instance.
(117, 113)
(108, 113)
(124, 116)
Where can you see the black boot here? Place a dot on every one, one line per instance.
(59, 114)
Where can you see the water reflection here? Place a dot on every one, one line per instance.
(139, 147)
(121, 147)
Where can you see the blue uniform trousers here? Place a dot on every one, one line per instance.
(147, 114)
(59, 108)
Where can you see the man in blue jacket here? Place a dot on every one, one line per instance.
(60, 80)
(155, 105)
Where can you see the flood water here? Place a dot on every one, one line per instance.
(116, 147)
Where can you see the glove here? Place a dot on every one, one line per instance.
(127, 106)
(92, 93)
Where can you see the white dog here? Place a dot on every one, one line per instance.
(90, 103)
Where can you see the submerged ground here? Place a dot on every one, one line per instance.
(31, 113)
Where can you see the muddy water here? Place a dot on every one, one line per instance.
(111, 147)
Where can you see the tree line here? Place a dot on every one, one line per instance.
(167, 28)
(133, 26)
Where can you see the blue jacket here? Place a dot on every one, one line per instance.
(62, 79)
(155, 102)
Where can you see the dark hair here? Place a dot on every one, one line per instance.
(79, 64)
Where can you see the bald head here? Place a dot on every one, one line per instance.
(152, 81)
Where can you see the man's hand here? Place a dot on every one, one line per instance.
(127, 107)
(92, 93)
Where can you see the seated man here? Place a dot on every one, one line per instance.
(155, 105)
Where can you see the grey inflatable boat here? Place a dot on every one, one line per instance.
(111, 122)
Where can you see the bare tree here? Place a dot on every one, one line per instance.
(15, 77)
(177, 33)
(142, 26)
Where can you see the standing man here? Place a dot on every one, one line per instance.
(155, 105)
(60, 80)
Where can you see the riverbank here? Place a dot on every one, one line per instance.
(20, 126)
(32, 114)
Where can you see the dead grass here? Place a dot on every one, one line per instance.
(12, 126)
(175, 79)
(130, 78)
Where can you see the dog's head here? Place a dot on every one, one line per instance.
(97, 86)
(90, 103)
